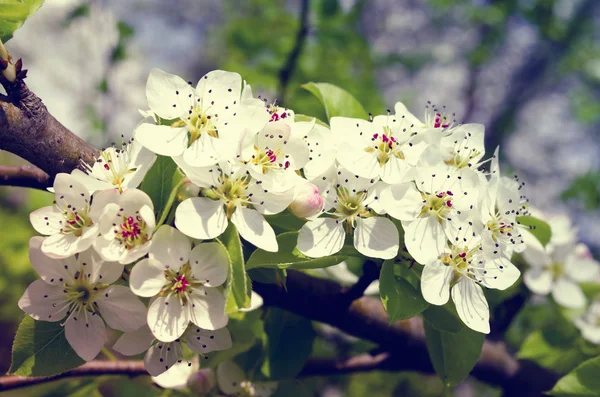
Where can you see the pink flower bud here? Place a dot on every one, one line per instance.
(307, 202)
(201, 382)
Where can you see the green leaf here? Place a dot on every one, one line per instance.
(288, 257)
(583, 381)
(399, 297)
(160, 181)
(337, 101)
(237, 285)
(41, 349)
(551, 350)
(443, 318)
(267, 275)
(303, 117)
(289, 341)
(285, 221)
(540, 229)
(453, 354)
(13, 14)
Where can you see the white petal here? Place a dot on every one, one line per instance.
(70, 193)
(50, 270)
(136, 342)
(219, 89)
(538, 280)
(206, 151)
(321, 237)
(161, 357)
(256, 301)
(64, 245)
(471, 305)
(270, 203)
(394, 170)
(590, 332)
(167, 318)
(582, 269)
(402, 201)
(168, 95)
(207, 308)
(210, 264)
(44, 302)
(176, 377)
(86, 334)
(170, 247)
(435, 282)
(568, 294)
(121, 309)
(229, 377)
(204, 341)
(201, 218)
(100, 200)
(109, 249)
(359, 162)
(162, 139)
(424, 238)
(98, 270)
(147, 277)
(253, 227)
(500, 273)
(90, 182)
(46, 220)
(133, 200)
(376, 237)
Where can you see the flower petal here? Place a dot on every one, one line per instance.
(424, 238)
(376, 237)
(161, 357)
(200, 217)
(402, 201)
(147, 277)
(170, 247)
(46, 220)
(568, 294)
(471, 305)
(168, 95)
(176, 377)
(167, 318)
(582, 269)
(136, 342)
(210, 263)
(162, 139)
(229, 378)
(435, 282)
(121, 309)
(220, 90)
(64, 245)
(204, 341)
(253, 227)
(86, 334)
(44, 302)
(71, 194)
(207, 308)
(538, 280)
(321, 237)
(50, 270)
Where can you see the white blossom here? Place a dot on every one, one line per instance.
(72, 222)
(126, 228)
(79, 288)
(183, 283)
(589, 323)
(232, 381)
(349, 201)
(231, 194)
(117, 168)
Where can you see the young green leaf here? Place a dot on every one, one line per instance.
(288, 257)
(540, 229)
(337, 101)
(399, 297)
(443, 318)
(453, 355)
(159, 183)
(551, 350)
(289, 341)
(41, 349)
(303, 117)
(237, 284)
(583, 381)
(13, 14)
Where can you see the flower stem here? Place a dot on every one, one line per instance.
(169, 204)
(109, 354)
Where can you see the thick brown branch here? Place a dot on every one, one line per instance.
(325, 301)
(24, 176)
(93, 368)
(28, 130)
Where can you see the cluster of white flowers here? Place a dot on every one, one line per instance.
(559, 268)
(361, 183)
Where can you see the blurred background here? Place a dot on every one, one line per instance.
(527, 69)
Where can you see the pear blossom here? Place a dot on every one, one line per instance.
(126, 228)
(308, 202)
(557, 269)
(428, 206)
(182, 376)
(117, 168)
(589, 323)
(386, 147)
(438, 119)
(231, 194)
(464, 146)
(321, 167)
(72, 222)
(201, 126)
(161, 357)
(464, 266)
(374, 236)
(183, 283)
(232, 381)
(78, 291)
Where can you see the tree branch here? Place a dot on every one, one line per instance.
(286, 72)
(24, 176)
(28, 130)
(325, 301)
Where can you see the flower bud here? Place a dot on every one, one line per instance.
(307, 201)
(201, 382)
(187, 190)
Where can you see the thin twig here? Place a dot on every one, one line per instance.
(24, 176)
(286, 72)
